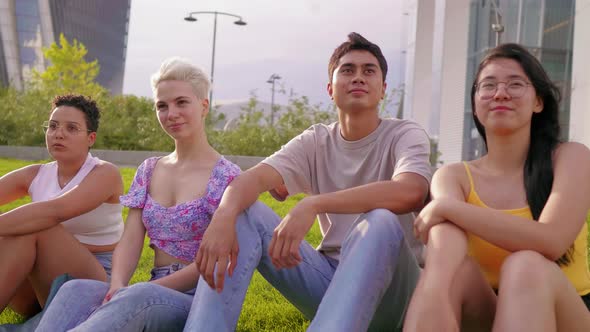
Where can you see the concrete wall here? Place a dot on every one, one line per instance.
(10, 43)
(580, 98)
(120, 158)
(454, 71)
(419, 84)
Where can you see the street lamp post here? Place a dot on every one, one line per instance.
(497, 27)
(191, 18)
(272, 80)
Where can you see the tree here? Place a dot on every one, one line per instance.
(23, 112)
(389, 106)
(68, 71)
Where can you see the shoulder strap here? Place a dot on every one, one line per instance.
(472, 187)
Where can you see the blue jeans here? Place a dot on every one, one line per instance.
(106, 260)
(369, 288)
(141, 307)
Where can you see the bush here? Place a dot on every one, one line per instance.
(130, 123)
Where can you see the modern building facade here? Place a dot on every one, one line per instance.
(451, 38)
(3, 72)
(26, 26)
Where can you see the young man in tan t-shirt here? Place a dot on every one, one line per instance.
(364, 177)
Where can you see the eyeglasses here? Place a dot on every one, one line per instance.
(51, 127)
(516, 88)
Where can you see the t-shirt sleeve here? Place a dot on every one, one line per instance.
(293, 163)
(412, 154)
(137, 194)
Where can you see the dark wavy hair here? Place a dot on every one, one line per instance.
(85, 104)
(538, 168)
(356, 42)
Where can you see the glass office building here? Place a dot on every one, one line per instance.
(28, 28)
(545, 27)
(101, 25)
(3, 72)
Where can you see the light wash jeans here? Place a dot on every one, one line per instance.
(369, 288)
(141, 307)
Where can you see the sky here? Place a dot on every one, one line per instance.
(291, 38)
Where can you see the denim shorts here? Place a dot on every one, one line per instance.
(163, 271)
(105, 259)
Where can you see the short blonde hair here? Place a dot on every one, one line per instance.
(178, 69)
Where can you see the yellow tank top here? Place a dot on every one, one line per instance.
(491, 257)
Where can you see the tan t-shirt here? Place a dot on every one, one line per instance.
(320, 161)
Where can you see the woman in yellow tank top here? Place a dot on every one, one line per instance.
(506, 234)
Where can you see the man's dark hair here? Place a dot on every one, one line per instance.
(85, 104)
(356, 42)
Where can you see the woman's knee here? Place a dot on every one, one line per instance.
(139, 290)
(17, 241)
(152, 297)
(526, 269)
(51, 233)
(144, 292)
(83, 288)
(28, 239)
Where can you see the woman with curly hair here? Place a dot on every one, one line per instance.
(74, 220)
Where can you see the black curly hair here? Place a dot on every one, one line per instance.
(85, 104)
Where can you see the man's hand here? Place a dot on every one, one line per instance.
(287, 236)
(219, 248)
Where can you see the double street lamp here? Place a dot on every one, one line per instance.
(272, 80)
(191, 18)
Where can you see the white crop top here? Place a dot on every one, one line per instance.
(101, 226)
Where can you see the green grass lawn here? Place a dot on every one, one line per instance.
(265, 309)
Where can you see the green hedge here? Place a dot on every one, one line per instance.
(130, 123)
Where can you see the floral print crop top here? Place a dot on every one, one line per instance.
(178, 230)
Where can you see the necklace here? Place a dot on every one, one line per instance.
(62, 183)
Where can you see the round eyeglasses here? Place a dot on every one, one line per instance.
(487, 89)
(50, 127)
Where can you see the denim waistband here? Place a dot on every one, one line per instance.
(105, 259)
(163, 271)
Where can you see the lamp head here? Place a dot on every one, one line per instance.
(240, 22)
(497, 27)
(190, 19)
(272, 78)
